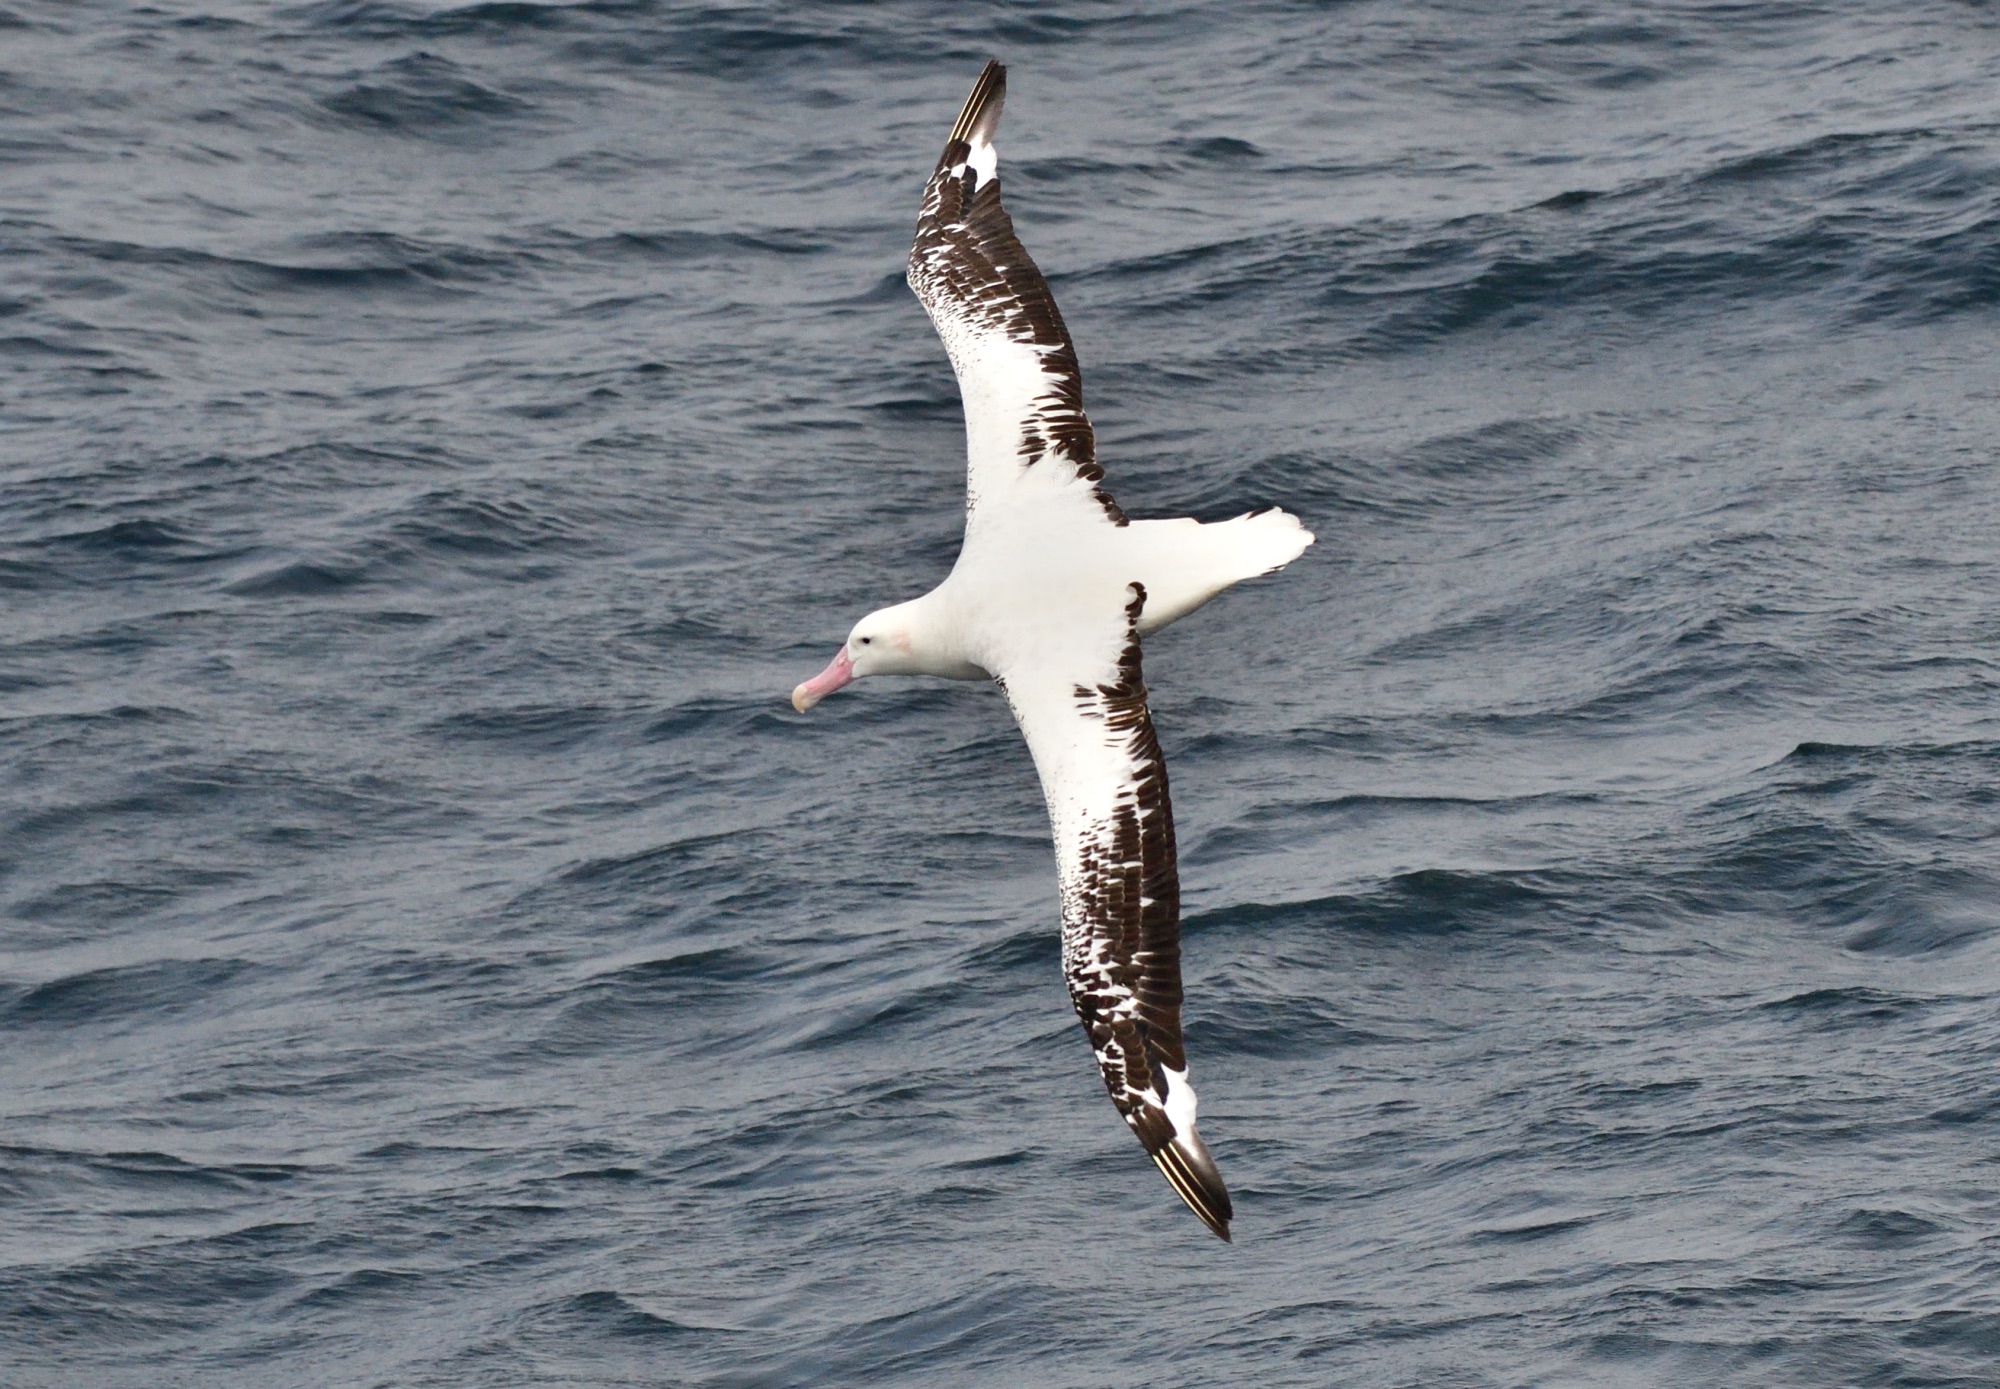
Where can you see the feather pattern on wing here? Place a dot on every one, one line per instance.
(1017, 370)
(1106, 784)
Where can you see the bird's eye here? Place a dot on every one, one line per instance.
(866, 640)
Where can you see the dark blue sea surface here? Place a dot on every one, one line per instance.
(434, 439)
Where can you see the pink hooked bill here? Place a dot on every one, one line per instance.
(839, 672)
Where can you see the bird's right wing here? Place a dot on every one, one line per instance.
(1017, 371)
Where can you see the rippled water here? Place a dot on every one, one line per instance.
(434, 440)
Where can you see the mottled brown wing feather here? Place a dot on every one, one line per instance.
(1121, 941)
(983, 292)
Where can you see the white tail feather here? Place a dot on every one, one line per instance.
(1185, 563)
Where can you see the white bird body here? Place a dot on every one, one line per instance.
(991, 614)
(1052, 591)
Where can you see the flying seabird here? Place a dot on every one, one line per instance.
(1052, 592)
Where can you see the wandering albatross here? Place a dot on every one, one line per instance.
(1051, 594)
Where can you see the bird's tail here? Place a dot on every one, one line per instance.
(1185, 563)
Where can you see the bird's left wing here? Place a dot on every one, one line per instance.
(1085, 718)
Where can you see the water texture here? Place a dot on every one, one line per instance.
(434, 439)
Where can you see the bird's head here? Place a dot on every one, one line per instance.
(880, 644)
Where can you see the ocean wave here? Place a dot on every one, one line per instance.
(1425, 902)
(423, 94)
(364, 262)
(1840, 1008)
(123, 993)
(1824, 223)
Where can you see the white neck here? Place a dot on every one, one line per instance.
(920, 637)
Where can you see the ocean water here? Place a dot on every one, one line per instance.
(434, 440)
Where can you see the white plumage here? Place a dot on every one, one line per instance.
(1052, 591)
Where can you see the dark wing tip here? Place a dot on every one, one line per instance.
(981, 112)
(1192, 1173)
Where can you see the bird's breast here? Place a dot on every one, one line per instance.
(1027, 594)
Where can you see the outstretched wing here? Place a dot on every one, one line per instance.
(1017, 372)
(1106, 784)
